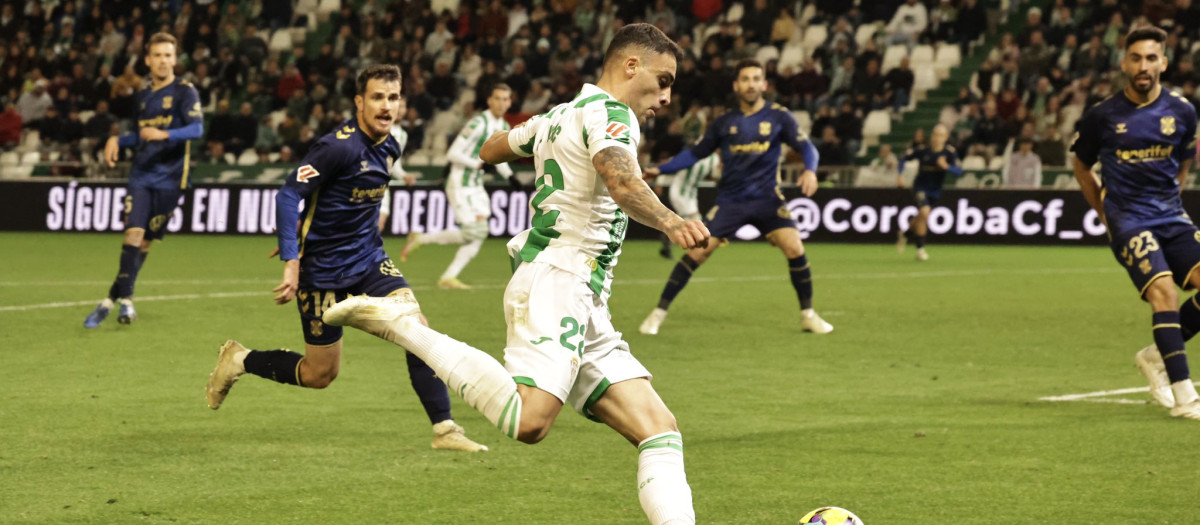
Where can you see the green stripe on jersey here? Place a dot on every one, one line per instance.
(591, 99)
(616, 235)
(619, 113)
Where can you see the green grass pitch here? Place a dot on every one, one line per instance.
(922, 406)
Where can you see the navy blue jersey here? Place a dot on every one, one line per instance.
(750, 151)
(342, 179)
(163, 164)
(1140, 148)
(930, 176)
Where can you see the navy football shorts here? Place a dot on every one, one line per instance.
(924, 197)
(767, 215)
(1167, 250)
(150, 209)
(380, 281)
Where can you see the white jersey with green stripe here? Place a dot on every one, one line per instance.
(577, 226)
(686, 182)
(463, 155)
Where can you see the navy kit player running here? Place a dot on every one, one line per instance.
(168, 117)
(936, 161)
(749, 142)
(339, 253)
(1144, 138)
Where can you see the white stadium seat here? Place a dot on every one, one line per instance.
(997, 163)
(974, 162)
(792, 56)
(248, 158)
(864, 33)
(814, 36)
(281, 41)
(948, 56)
(878, 123)
(766, 54)
(891, 58)
(804, 120)
(925, 79)
(920, 55)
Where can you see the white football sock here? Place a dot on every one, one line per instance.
(1185, 392)
(442, 237)
(463, 256)
(662, 484)
(472, 374)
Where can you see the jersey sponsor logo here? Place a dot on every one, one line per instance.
(753, 147)
(160, 121)
(196, 111)
(1153, 153)
(1167, 124)
(733, 130)
(388, 268)
(344, 133)
(166, 102)
(617, 130)
(539, 341)
(764, 128)
(1120, 128)
(306, 172)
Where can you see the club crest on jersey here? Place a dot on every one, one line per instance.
(617, 131)
(764, 128)
(1167, 124)
(364, 167)
(166, 102)
(1121, 127)
(306, 172)
(733, 130)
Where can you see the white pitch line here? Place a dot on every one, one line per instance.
(1089, 396)
(500, 286)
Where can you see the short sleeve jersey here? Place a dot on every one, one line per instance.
(577, 226)
(342, 179)
(750, 147)
(468, 143)
(164, 164)
(930, 176)
(1140, 148)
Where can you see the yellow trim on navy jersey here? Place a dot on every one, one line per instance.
(1156, 277)
(311, 211)
(1166, 325)
(1151, 101)
(187, 164)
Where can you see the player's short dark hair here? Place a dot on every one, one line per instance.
(1145, 32)
(748, 62)
(384, 72)
(500, 86)
(161, 38)
(645, 36)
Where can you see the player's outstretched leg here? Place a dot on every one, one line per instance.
(475, 376)
(801, 274)
(416, 240)
(680, 275)
(230, 366)
(434, 397)
(1168, 337)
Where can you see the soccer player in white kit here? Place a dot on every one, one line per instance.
(561, 345)
(464, 188)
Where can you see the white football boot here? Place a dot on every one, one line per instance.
(448, 435)
(653, 321)
(922, 255)
(226, 373)
(811, 322)
(1150, 362)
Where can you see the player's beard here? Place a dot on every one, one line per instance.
(750, 99)
(1153, 81)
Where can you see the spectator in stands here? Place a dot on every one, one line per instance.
(291, 82)
(1035, 57)
(245, 129)
(252, 49)
(299, 104)
(518, 79)
(222, 127)
(883, 170)
(963, 127)
(970, 24)
(907, 24)
(1093, 59)
(849, 126)
(740, 51)
(867, 88)
(470, 66)
(1024, 168)
(988, 134)
(10, 122)
(33, 104)
(1010, 77)
(1033, 23)
(831, 149)
(822, 119)
(443, 87)
(898, 85)
(840, 84)
(414, 125)
(538, 99)
(809, 84)
(783, 27)
(841, 31)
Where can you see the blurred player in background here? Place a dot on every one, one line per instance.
(684, 189)
(168, 116)
(749, 193)
(339, 253)
(397, 171)
(561, 344)
(936, 161)
(464, 189)
(1144, 138)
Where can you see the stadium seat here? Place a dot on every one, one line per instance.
(229, 158)
(327, 7)
(997, 163)
(85, 116)
(272, 157)
(438, 159)
(814, 36)
(418, 158)
(921, 55)
(974, 162)
(806, 14)
(925, 80)
(248, 158)
(948, 56)
(877, 123)
(299, 35)
(792, 56)
(967, 181)
(281, 41)
(53, 156)
(864, 33)
(891, 57)
(306, 7)
(735, 12)
(277, 117)
(804, 120)
(30, 141)
(9, 159)
(766, 54)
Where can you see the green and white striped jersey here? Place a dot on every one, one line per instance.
(686, 183)
(463, 154)
(577, 226)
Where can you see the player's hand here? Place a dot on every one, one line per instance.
(514, 182)
(808, 183)
(112, 151)
(274, 252)
(899, 182)
(152, 134)
(688, 234)
(409, 180)
(650, 173)
(942, 163)
(286, 290)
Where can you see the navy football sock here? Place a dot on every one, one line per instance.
(678, 279)
(431, 390)
(798, 268)
(281, 366)
(1189, 318)
(1169, 339)
(128, 271)
(919, 240)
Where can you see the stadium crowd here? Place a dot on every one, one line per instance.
(71, 68)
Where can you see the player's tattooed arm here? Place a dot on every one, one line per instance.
(623, 178)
